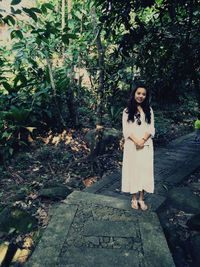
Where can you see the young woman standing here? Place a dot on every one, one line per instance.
(138, 131)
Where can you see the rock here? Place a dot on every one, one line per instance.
(101, 140)
(194, 222)
(15, 219)
(54, 193)
(183, 198)
(195, 248)
(20, 194)
(75, 183)
(195, 186)
(50, 184)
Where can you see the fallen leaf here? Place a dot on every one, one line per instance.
(89, 181)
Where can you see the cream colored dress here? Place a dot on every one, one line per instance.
(137, 167)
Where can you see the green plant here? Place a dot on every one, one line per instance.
(197, 124)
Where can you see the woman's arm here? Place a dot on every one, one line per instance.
(134, 139)
(151, 127)
(127, 131)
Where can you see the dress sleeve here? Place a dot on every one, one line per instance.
(151, 127)
(126, 128)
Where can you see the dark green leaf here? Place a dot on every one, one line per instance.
(49, 6)
(71, 36)
(18, 46)
(21, 78)
(37, 31)
(65, 39)
(37, 10)
(15, 11)
(29, 226)
(43, 8)
(15, 2)
(11, 150)
(16, 33)
(9, 20)
(38, 40)
(30, 13)
(6, 85)
(45, 40)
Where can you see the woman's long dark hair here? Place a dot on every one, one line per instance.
(132, 105)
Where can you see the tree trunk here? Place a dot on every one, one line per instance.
(172, 10)
(63, 26)
(100, 90)
(69, 8)
(194, 73)
(54, 88)
(71, 103)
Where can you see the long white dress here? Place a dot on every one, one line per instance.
(137, 167)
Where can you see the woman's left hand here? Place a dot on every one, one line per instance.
(140, 144)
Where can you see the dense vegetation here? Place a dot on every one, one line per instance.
(66, 72)
(72, 64)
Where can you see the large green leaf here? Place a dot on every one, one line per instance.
(78, 14)
(18, 114)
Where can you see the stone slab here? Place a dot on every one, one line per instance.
(90, 257)
(96, 199)
(156, 251)
(182, 139)
(48, 249)
(184, 199)
(154, 201)
(97, 221)
(184, 170)
(110, 228)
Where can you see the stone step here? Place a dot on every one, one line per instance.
(93, 230)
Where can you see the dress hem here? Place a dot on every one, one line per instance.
(151, 192)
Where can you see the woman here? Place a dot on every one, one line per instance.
(138, 131)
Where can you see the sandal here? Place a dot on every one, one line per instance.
(134, 204)
(142, 205)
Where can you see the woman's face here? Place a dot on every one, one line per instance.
(140, 95)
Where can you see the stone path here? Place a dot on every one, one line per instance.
(97, 227)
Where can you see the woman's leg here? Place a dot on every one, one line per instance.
(134, 202)
(141, 196)
(134, 196)
(143, 206)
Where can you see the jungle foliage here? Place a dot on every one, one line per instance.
(115, 43)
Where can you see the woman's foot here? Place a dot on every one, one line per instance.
(134, 204)
(142, 205)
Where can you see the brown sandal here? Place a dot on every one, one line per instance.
(142, 205)
(134, 204)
